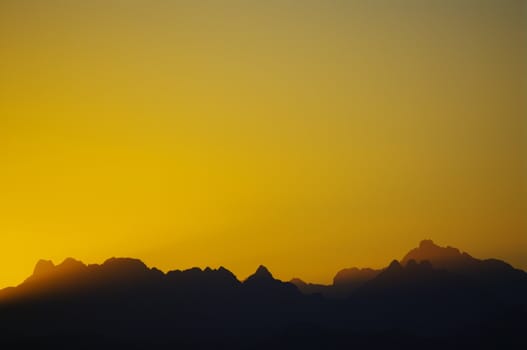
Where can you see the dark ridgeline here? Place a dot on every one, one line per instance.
(344, 282)
(435, 298)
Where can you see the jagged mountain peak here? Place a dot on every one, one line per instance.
(43, 267)
(394, 266)
(438, 256)
(261, 274)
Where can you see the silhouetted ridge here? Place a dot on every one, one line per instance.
(71, 265)
(127, 268)
(207, 281)
(395, 266)
(298, 282)
(262, 274)
(497, 277)
(43, 267)
(344, 283)
(313, 288)
(440, 257)
(415, 281)
(437, 294)
(125, 265)
(263, 285)
(353, 277)
(47, 271)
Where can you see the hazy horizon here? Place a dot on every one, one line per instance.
(327, 281)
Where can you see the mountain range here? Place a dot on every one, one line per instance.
(434, 297)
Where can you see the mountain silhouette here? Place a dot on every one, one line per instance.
(262, 275)
(345, 282)
(435, 297)
(452, 259)
(495, 276)
(264, 284)
(354, 277)
(441, 257)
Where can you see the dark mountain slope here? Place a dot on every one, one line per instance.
(345, 282)
(442, 298)
(495, 276)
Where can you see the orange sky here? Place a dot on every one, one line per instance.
(304, 135)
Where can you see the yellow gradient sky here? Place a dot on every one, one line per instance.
(304, 135)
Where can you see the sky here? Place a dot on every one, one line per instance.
(307, 136)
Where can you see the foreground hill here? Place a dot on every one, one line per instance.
(434, 298)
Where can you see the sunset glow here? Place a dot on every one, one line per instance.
(304, 135)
